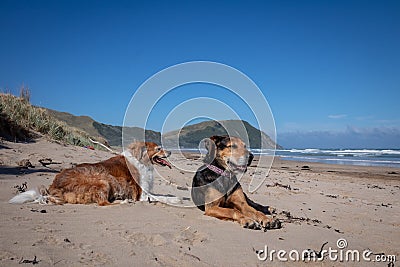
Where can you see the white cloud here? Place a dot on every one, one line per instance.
(337, 116)
(351, 137)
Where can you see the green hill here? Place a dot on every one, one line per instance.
(18, 117)
(113, 134)
(84, 123)
(191, 135)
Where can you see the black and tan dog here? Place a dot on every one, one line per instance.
(216, 190)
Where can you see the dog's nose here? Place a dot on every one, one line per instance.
(250, 159)
(167, 153)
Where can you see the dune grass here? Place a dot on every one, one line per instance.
(20, 119)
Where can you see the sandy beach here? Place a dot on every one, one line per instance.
(317, 203)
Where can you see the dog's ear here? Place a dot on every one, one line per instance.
(143, 151)
(211, 150)
(251, 157)
(138, 149)
(217, 139)
(211, 146)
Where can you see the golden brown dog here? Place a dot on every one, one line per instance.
(216, 190)
(119, 177)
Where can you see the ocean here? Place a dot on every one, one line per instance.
(359, 157)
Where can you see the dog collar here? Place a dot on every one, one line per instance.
(217, 170)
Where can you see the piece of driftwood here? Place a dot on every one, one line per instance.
(288, 187)
(103, 145)
(21, 188)
(25, 164)
(47, 161)
(33, 262)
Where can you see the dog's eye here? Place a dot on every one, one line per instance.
(158, 148)
(234, 146)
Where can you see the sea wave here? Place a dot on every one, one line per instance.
(366, 157)
(343, 152)
(357, 162)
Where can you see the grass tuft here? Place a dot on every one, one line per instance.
(18, 118)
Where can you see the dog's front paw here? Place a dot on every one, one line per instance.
(250, 224)
(271, 210)
(272, 224)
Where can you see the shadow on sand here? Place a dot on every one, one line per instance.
(9, 170)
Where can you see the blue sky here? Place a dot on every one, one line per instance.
(330, 70)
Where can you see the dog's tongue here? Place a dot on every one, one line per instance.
(166, 163)
(242, 168)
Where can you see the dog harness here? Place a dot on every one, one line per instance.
(217, 170)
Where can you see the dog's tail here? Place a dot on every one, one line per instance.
(36, 195)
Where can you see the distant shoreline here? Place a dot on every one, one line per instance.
(350, 157)
(353, 157)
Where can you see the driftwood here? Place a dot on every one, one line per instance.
(290, 219)
(314, 254)
(25, 164)
(33, 262)
(288, 187)
(103, 145)
(47, 161)
(21, 188)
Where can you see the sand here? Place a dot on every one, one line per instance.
(318, 204)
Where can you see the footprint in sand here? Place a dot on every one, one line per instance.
(190, 237)
(53, 240)
(39, 229)
(87, 256)
(141, 239)
(92, 258)
(21, 219)
(5, 255)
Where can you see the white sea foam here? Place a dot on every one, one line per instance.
(343, 159)
(342, 151)
(365, 157)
